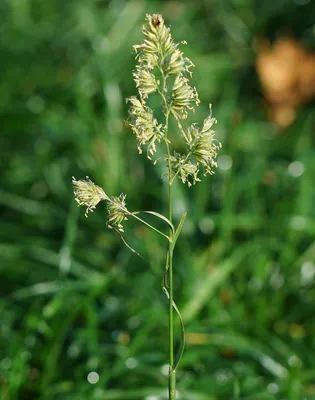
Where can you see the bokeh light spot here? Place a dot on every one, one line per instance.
(131, 363)
(225, 162)
(296, 169)
(93, 377)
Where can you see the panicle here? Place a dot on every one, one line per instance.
(163, 68)
(183, 97)
(117, 212)
(88, 194)
(144, 125)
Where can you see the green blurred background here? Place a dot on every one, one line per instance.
(74, 299)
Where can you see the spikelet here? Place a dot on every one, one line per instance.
(183, 96)
(145, 82)
(202, 145)
(186, 169)
(144, 125)
(88, 194)
(177, 64)
(117, 212)
(157, 43)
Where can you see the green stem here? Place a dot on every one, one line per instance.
(172, 372)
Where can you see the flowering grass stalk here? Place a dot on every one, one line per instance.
(161, 69)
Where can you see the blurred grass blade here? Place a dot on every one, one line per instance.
(236, 389)
(52, 258)
(124, 23)
(52, 287)
(69, 238)
(151, 393)
(244, 345)
(209, 284)
(25, 205)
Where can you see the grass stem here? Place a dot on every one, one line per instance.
(172, 373)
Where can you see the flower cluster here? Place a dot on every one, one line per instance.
(117, 212)
(144, 125)
(88, 194)
(202, 145)
(162, 68)
(145, 82)
(183, 97)
(202, 150)
(186, 169)
(157, 43)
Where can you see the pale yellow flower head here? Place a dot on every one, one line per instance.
(144, 125)
(145, 82)
(157, 41)
(186, 169)
(183, 96)
(117, 212)
(202, 145)
(88, 194)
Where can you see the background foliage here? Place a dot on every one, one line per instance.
(73, 298)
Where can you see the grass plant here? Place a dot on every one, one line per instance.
(161, 68)
(73, 299)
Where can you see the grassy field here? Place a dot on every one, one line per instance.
(74, 300)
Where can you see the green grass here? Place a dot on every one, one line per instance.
(73, 298)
